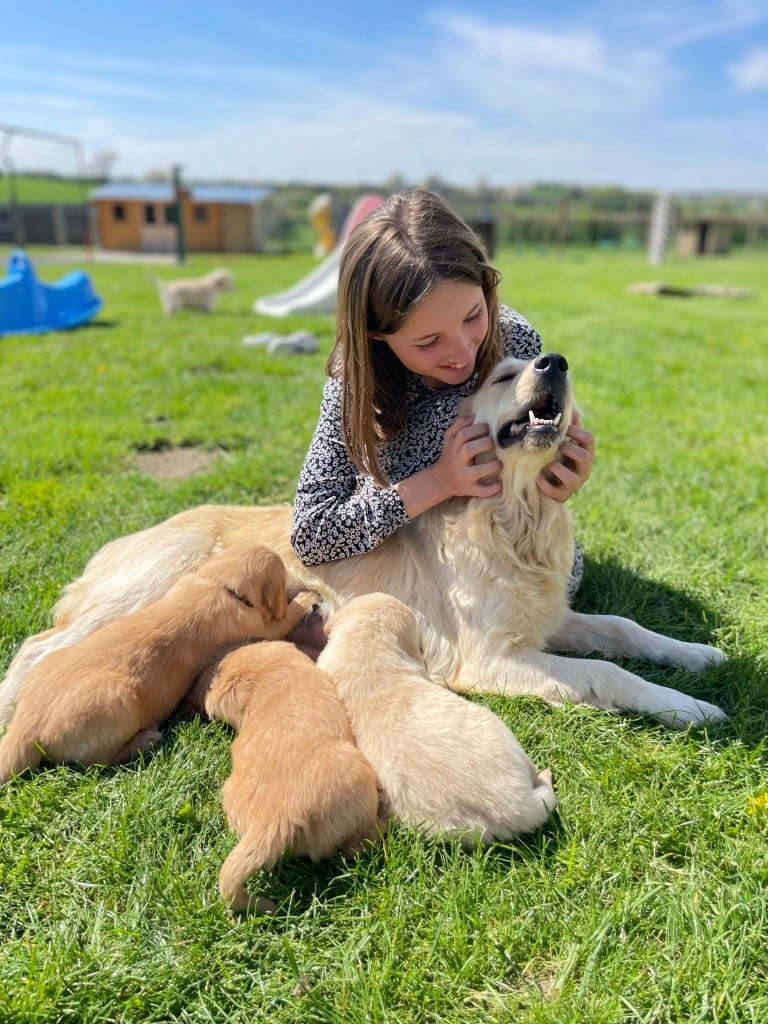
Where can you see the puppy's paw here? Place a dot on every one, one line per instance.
(141, 742)
(307, 600)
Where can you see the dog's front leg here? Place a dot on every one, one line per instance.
(560, 680)
(616, 637)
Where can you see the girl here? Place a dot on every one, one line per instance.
(418, 327)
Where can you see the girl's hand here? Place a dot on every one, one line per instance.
(456, 470)
(570, 470)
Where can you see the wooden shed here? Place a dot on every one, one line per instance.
(142, 217)
(706, 236)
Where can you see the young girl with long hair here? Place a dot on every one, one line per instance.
(418, 327)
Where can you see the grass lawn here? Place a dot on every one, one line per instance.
(643, 899)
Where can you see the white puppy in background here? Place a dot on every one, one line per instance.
(193, 292)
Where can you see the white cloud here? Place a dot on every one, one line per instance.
(751, 73)
(540, 73)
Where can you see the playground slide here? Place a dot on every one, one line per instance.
(316, 293)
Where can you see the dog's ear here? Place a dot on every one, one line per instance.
(274, 591)
(265, 585)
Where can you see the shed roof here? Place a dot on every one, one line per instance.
(162, 192)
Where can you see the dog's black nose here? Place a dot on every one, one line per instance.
(551, 364)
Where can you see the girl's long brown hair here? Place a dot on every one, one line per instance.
(390, 262)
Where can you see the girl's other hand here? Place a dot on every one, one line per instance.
(570, 470)
(458, 473)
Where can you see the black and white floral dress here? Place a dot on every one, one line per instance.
(339, 511)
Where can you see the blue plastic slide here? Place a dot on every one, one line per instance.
(27, 306)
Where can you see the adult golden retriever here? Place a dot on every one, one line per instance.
(486, 577)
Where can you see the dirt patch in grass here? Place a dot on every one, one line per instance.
(175, 463)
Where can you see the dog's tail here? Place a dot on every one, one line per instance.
(260, 847)
(17, 753)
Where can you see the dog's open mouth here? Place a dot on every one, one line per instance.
(542, 419)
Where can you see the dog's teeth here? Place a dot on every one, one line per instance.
(531, 417)
(557, 419)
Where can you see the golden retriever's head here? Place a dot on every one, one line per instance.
(377, 618)
(252, 573)
(527, 405)
(226, 687)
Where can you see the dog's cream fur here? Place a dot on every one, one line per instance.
(101, 700)
(299, 784)
(193, 292)
(444, 764)
(486, 577)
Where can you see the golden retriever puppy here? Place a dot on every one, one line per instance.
(444, 764)
(299, 784)
(193, 292)
(102, 700)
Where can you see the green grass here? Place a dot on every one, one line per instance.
(643, 900)
(43, 190)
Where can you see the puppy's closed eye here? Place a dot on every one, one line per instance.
(239, 597)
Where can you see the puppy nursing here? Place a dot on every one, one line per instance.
(444, 764)
(194, 292)
(299, 784)
(102, 700)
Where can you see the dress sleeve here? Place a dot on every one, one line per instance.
(338, 512)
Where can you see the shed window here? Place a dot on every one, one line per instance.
(169, 214)
(201, 215)
(118, 211)
(149, 214)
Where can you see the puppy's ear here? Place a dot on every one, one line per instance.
(265, 584)
(274, 590)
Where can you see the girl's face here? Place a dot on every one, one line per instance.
(440, 338)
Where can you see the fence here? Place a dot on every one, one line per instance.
(40, 224)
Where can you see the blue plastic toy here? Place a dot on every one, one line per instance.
(27, 306)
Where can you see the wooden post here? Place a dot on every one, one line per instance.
(179, 199)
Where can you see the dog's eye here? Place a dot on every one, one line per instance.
(506, 376)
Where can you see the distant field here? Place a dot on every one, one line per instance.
(43, 190)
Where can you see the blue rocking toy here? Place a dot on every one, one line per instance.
(27, 306)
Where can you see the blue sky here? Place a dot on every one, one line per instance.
(666, 94)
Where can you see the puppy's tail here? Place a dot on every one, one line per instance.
(17, 753)
(261, 847)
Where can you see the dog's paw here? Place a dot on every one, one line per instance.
(697, 657)
(692, 712)
(682, 654)
(308, 600)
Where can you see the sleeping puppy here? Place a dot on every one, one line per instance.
(299, 784)
(444, 764)
(102, 700)
(193, 292)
